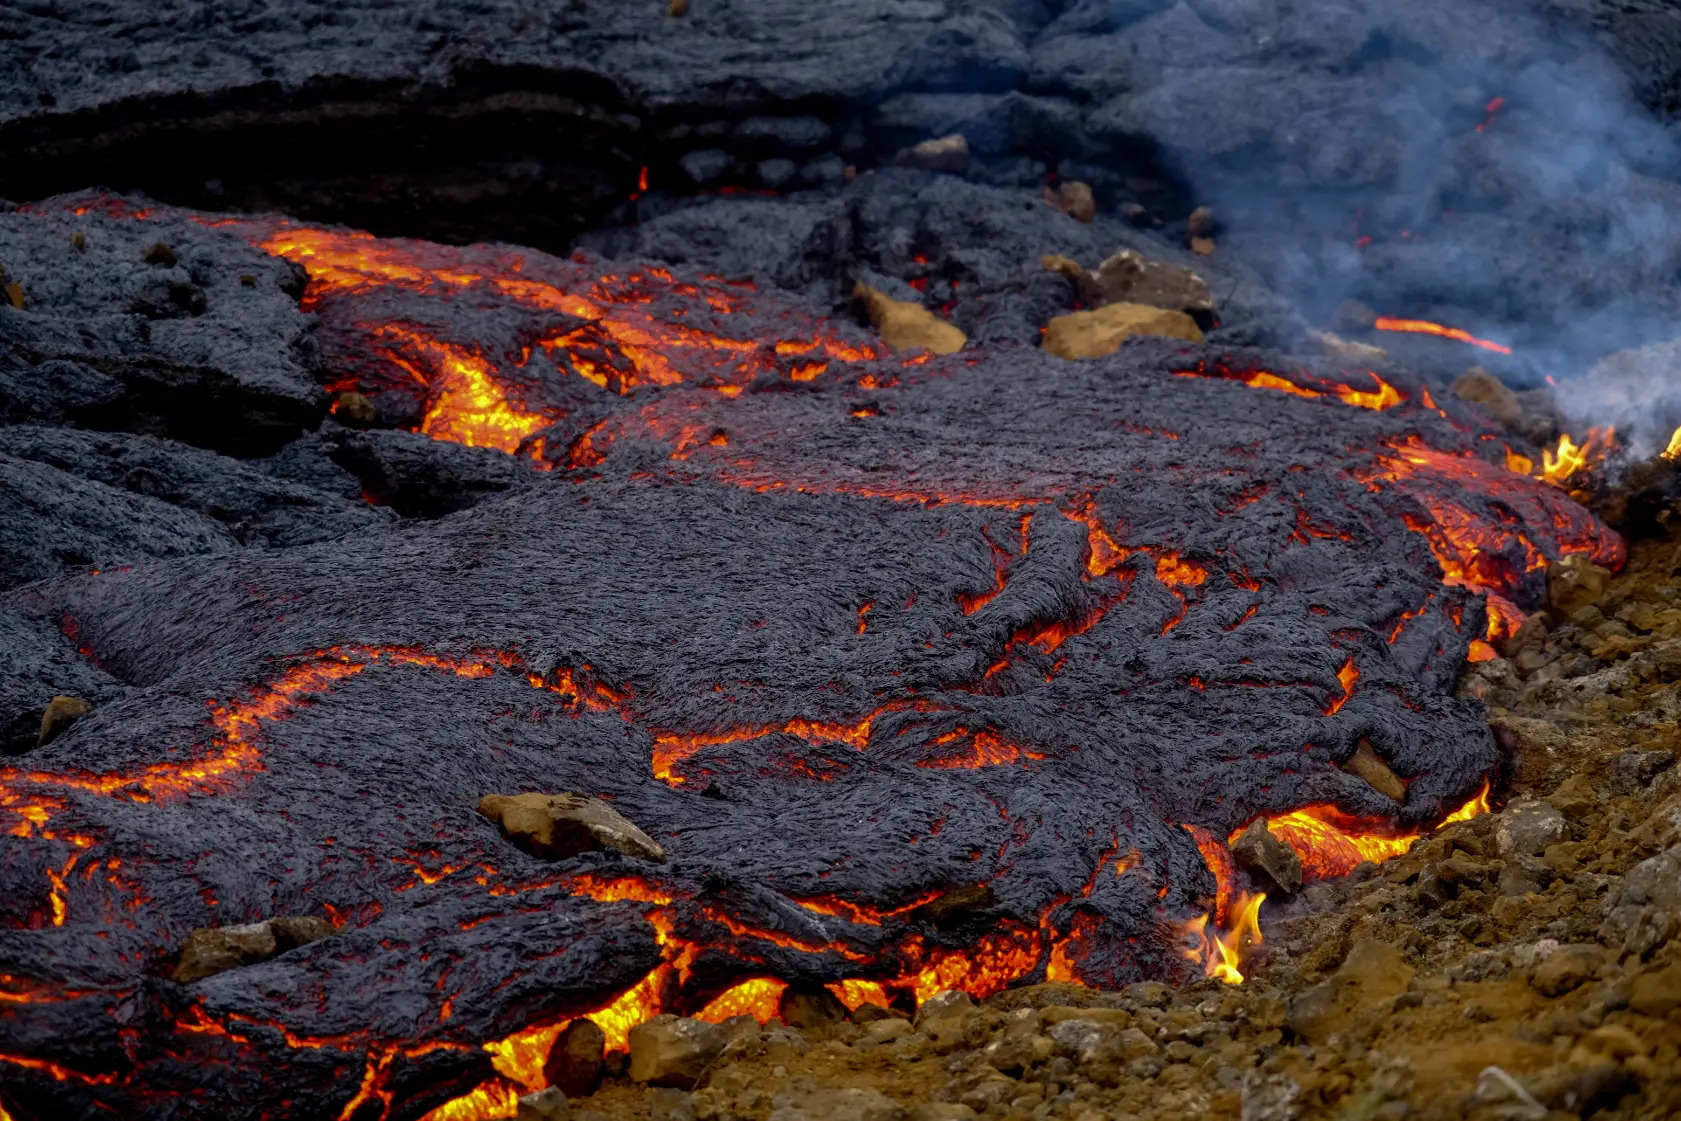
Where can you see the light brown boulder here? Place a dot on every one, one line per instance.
(906, 325)
(945, 153)
(1129, 277)
(1094, 334)
(1074, 199)
(1372, 974)
(673, 1051)
(1367, 764)
(557, 826)
(59, 714)
(1275, 866)
(1657, 993)
(212, 950)
(292, 931)
(1566, 968)
(1333, 345)
(813, 1010)
(1575, 582)
(1480, 387)
(545, 1105)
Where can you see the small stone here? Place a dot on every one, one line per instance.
(851, 1104)
(1074, 199)
(1578, 1088)
(886, 1031)
(1129, 277)
(944, 1005)
(1095, 334)
(1565, 969)
(161, 255)
(1275, 866)
(666, 1104)
(1365, 763)
(868, 1013)
(906, 325)
(814, 1010)
(1575, 582)
(248, 279)
(676, 8)
(292, 931)
(79, 240)
(558, 826)
(1480, 387)
(59, 714)
(212, 950)
(947, 153)
(1202, 246)
(14, 294)
(1657, 993)
(575, 1061)
(354, 409)
(1524, 875)
(1528, 828)
(941, 1111)
(1333, 345)
(1201, 222)
(673, 1051)
(545, 1105)
(954, 908)
(1633, 771)
(1139, 215)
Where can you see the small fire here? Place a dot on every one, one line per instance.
(1221, 952)
(1557, 466)
(1674, 449)
(1425, 327)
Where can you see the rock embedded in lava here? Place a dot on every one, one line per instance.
(1128, 277)
(1369, 765)
(213, 950)
(1275, 866)
(559, 826)
(60, 713)
(905, 325)
(1096, 334)
(575, 1061)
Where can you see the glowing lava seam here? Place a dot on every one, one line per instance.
(1425, 327)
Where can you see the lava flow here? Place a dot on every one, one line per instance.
(1425, 327)
(926, 673)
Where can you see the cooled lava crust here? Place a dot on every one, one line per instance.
(842, 629)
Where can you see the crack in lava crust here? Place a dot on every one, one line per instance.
(842, 639)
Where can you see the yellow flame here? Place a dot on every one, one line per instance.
(1674, 449)
(1221, 953)
(1569, 458)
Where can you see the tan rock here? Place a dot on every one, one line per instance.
(1094, 334)
(353, 408)
(905, 325)
(545, 1105)
(212, 950)
(1333, 345)
(575, 1061)
(292, 931)
(886, 1031)
(1275, 866)
(1575, 582)
(1074, 199)
(1201, 222)
(1657, 993)
(14, 294)
(673, 1051)
(676, 8)
(1480, 387)
(1372, 974)
(813, 1010)
(1202, 246)
(60, 713)
(161, 255)
(1566, 969)
(557, 826)
(946, 153)
(1365, 763)
(950, 1004)
(1128, 277)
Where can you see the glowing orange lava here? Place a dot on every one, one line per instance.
(1425, 327)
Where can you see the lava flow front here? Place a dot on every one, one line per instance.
(924, 672)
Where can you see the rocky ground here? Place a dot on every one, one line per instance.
(1520, 965)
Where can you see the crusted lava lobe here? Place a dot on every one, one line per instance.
(842, 630)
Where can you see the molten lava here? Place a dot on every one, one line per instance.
(1425, 327)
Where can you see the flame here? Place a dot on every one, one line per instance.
(759, 997)
(1557, 466)
(1221, 952)
(1385, 396)
(1424, 327)
(1674, 449)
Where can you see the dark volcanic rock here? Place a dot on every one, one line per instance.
(41, 662)
(211, 350)
(254, 505)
